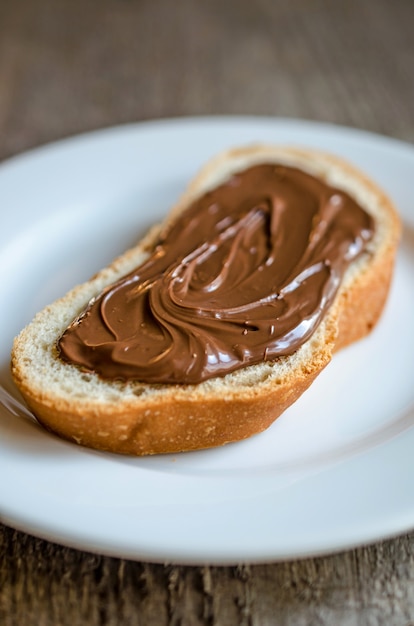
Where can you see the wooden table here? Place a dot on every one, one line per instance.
(68, 66)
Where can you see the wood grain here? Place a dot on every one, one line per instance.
(45, 584)
(70, 66)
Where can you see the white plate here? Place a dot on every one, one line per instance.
(333, 472)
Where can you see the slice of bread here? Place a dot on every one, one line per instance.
(137, 418)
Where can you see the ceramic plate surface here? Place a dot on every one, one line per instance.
(335, 471)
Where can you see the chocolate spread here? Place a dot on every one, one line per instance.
(244, 275)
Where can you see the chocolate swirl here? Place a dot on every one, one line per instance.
(244, 275)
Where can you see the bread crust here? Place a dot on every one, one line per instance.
(174, 426)
(137, 419)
